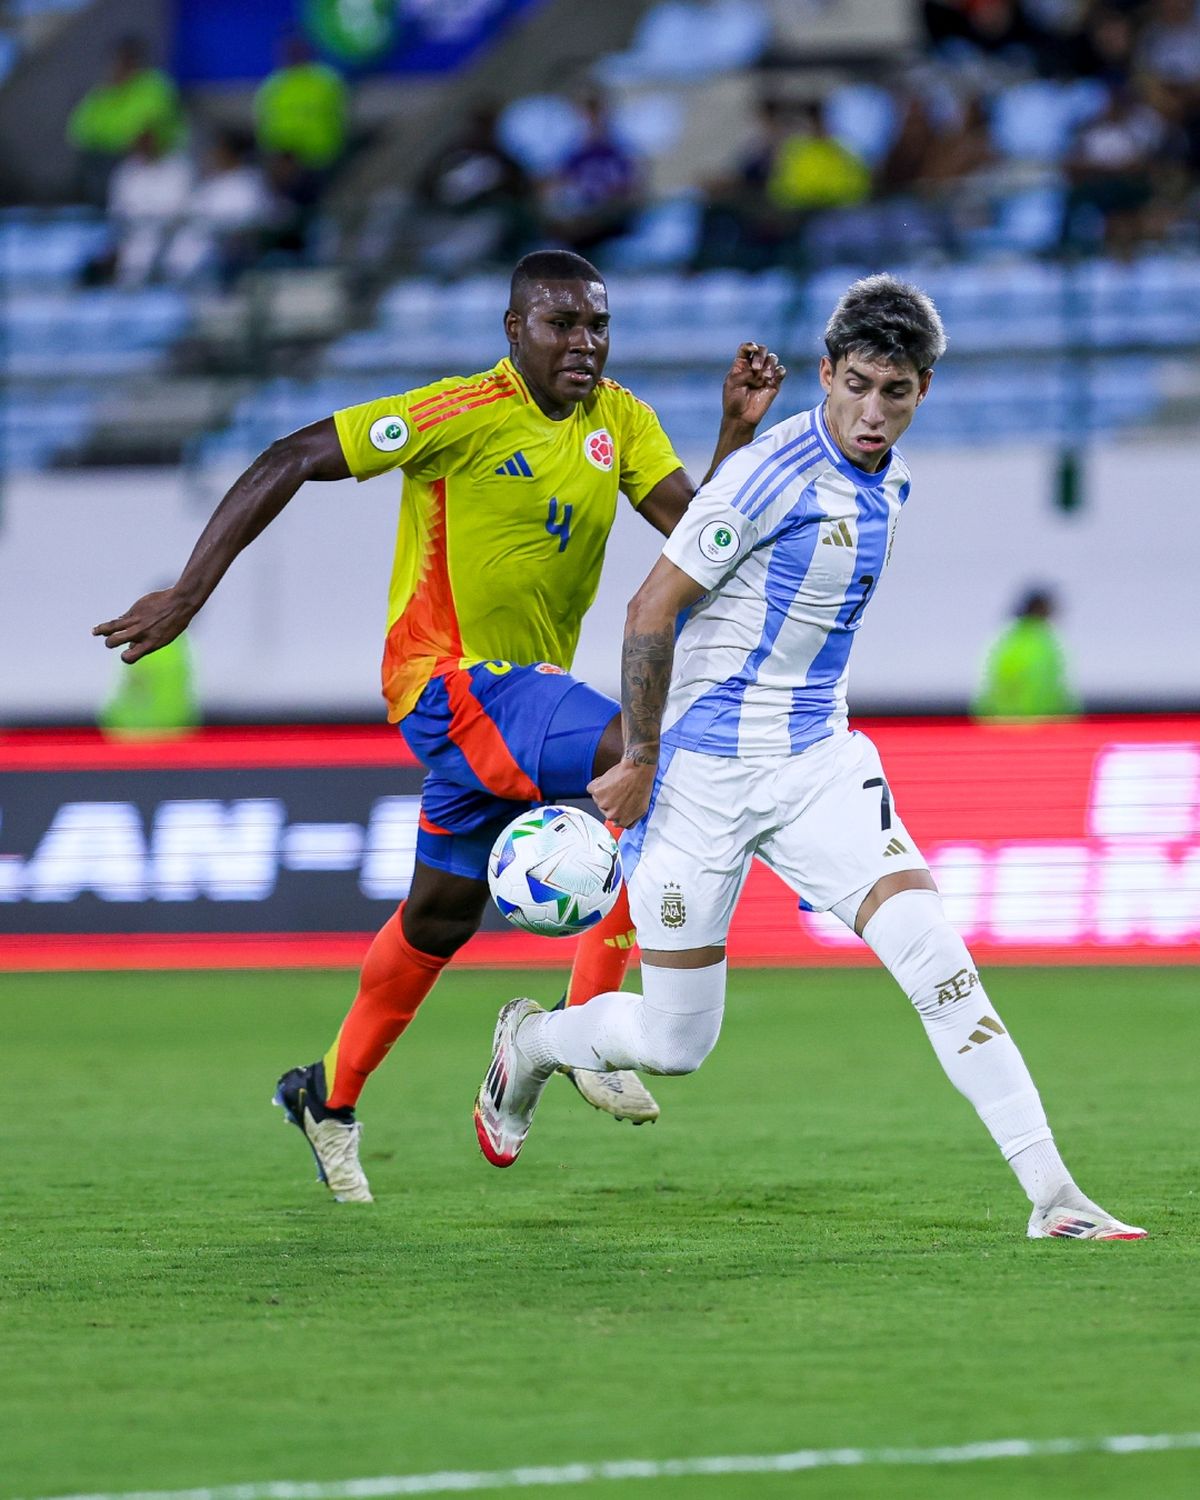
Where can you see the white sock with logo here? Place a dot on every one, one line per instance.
(670, 1028)
(931, 964)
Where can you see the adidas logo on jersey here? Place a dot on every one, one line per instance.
(838, 535)
(517, 467)
(895, 847)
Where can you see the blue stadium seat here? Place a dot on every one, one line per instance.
(541, 131)
(54, 248)
(1014, 367)
(1037, 120)
(664, 234)
(97, 332)
(864, 117)
(36, 428)
(682, 40)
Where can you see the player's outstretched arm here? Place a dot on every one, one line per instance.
(252, 503)
(647, 654)
(750, 387)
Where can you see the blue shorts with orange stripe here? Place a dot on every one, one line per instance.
(495, 738)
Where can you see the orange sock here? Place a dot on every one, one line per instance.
(603, 954)
(395, 979)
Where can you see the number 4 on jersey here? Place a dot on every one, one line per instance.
(559, 525)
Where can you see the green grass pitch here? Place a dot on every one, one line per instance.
(816, 1246)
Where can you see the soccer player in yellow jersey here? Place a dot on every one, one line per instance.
(510, 489)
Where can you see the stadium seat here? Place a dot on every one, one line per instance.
(665, 234)
(863, 117)
(35, 430)
(541, 131)
(97, 332)
(17, 10)
(648, 124)
(681, 40)
(10, 51)
(1036, 121)
(36, 247)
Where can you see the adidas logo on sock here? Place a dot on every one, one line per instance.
(895, 847)
(517, 467)
(981, 1035)
(838, 535)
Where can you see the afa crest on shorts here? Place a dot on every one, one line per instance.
(673, 912)
(599, 449)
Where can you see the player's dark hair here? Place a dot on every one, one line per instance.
(549, 265)
(885, 318)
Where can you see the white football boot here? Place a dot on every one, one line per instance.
(510, 1090)
(620, 1093)
(1073, 1217)
(332, 1135)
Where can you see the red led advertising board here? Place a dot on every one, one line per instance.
(1068, 843)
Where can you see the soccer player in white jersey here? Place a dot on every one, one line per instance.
(773, 567)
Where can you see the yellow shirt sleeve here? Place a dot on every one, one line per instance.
(413, 431)
(645, 450)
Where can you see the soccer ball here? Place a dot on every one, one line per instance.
(555, 871)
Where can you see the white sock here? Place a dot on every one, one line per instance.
(670, 1028)
(933, 967)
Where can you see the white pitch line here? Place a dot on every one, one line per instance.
(459, 1481)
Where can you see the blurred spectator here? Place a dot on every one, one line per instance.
(155, 697)
(230, 210)
(794, 169)
(907, 159)
(960, 149)
(1112, 173)
(1169, 56)
(296, 196)
(149, 194)
(300, 108)
(1170, 48)
(811, 170)
(741, 227)
(595, 194)
(922, 177)
(988, 26)
(1024, 676)
(1106, 46)
(111, 116)
(475, 201)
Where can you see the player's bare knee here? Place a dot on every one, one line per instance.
(440, 934)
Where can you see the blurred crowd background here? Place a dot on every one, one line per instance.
(219, 222)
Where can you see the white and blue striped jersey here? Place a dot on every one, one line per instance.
(790, 538)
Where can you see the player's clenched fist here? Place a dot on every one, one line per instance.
(752, 383)
(623, 794)
(154, 621)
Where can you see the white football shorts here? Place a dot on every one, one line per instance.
(823, 820)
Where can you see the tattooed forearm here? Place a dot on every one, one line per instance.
(646, 660)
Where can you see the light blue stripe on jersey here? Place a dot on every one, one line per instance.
(811, 704)
(766, 473)
(715, 716)
(804, 463)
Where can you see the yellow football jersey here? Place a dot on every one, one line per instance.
(503, 518)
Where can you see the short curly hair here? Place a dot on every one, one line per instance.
(886, 318)
(549, 265)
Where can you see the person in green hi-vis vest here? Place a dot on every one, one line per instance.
(300, 108)
(111, 116)
(1025, 675)
(154, 697)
